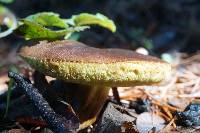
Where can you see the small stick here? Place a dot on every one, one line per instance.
(169, 114)
(166, 105)
(31, 121)
(57, 123)
(168, 125)
(116, 95)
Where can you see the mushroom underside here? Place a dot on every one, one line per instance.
(111, 74)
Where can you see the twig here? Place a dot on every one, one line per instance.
(167, 126)
(57, 123)
(116, 95)
(190, 59)
(166, 105)
(31, 121)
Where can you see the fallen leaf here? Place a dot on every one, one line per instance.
(146, 121)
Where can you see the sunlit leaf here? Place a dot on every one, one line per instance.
(48, 25)
(48, 19)
(74, 36)
(8, 19)
(75, 29)
(6, 1)
(89, 19)
(31, 30)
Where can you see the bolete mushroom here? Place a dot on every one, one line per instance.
(96, 69)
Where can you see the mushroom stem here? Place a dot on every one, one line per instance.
(90, 101)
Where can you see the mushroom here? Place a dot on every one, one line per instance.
(95, 69)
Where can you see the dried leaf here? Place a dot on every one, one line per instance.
(146, 121)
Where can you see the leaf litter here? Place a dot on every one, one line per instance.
(171, 106)
(175, 100)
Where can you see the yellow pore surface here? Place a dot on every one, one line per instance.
(129, 73)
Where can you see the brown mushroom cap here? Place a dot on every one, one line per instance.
(78, 63)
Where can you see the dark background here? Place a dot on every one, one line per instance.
(158, 25)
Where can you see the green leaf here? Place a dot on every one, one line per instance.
(1, 66)
(75, 29)
(9, 92)
(10, 85)
(48, 19)
(74, 36)
(6, 1)
(8, 19)
(89, 19)
(31, 30)
(38, 26)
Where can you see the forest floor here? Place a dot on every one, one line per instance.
(173, 105)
